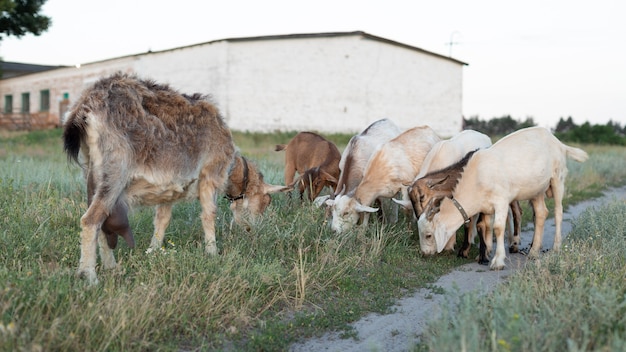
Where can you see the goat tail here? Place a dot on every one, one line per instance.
(280, 147)
(576, 154)
(73, 134)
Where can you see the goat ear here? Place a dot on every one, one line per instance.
(269, 189)
(329, 177)
(329, 202)
(321, 200)
(433, 207)
(413, 191)
(441, 240)
(432, 183)
(364, 208)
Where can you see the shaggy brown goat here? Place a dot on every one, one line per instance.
(144, 143)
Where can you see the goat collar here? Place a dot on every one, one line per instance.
(244, 186)
(457, 205)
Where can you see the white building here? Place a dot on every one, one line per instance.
(325, 82)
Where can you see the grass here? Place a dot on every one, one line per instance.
(290, 278)
(574, 300)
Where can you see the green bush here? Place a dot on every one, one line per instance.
(592, 134)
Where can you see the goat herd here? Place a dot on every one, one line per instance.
(143, 143)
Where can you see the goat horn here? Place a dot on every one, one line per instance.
(404, 203)
(343, 189)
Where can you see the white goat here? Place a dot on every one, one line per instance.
(356, 155)
(359, 151)
(449, 151)
(525, 165)
(442, 155)
(395, 163)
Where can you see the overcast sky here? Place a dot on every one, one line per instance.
(535, 58)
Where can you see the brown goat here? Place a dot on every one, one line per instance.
(315, 159)
(247, 192)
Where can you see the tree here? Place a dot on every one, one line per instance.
(497, 126)
(20, 17)
(565, 125)
(618, 129)
(596, 134)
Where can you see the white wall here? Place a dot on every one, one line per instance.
(320, 83)
(339, 84)
(193, 69)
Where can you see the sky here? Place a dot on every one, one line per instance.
(544, 59)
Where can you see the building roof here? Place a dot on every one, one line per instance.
(302, 35)
(14, 69)
(258, 38)
(342, 34)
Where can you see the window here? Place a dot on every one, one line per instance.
(8, 104)
(25, 103)
(45, 100)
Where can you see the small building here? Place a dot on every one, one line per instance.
(325, 82)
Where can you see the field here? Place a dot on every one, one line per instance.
(289, 278)
(574, 300)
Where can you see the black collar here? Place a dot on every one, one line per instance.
(466, 218)
(245, 183)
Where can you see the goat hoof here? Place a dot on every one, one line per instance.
(89, 275)
(513, 249)
(497, 264)
(533, 254)
(211, 249)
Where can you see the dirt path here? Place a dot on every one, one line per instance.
(400, 330)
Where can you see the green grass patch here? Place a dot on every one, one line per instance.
(574, 300)
(288, 279)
